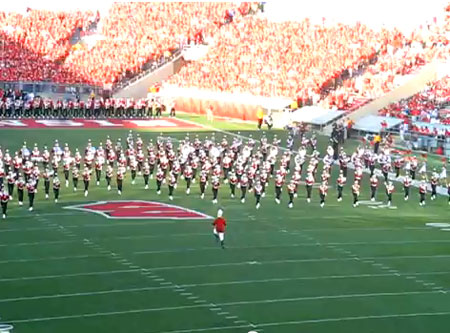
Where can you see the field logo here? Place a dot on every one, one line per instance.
(139, 209)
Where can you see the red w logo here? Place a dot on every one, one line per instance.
(137, 209)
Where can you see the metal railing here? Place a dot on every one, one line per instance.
(44, 88)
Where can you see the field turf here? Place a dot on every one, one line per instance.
(306, 269)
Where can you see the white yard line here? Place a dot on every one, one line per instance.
(242, 263)
(148, 274)
(317, 321)
(207, 284)
(266, 301)
(214, 248)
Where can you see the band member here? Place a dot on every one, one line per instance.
(31, 188)
(233, 182)
(98, 169)
(355, 191)
(159, 180)
(119, 178)
(258, 188)
(20, 188)
(434, 183)
(340, 184)
(56, 187)
(146, 174)
(133, 168)
(108, 176)
(243, 185)
(323, 190)
(203, 181)
(292, 190)
(422, 192)
(309, 184)
(188, 177)
(11, 179)
(390, 188)
(406, 185)
(4, 198)
(279, 182)
(75, 177)
(373, 187)
(66, 168)
(172, 184)
(215, 188)
(86, 180)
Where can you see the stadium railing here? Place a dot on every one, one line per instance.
(44, 88)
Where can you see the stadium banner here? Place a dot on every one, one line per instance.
(238, 106)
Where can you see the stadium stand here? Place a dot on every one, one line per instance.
(338, 67)
(427, 106)
(40, 39)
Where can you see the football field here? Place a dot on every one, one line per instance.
(372, 268)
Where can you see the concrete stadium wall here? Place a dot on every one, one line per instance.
(139, 89)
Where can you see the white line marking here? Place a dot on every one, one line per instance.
(60, 276)
(271, 262)
(88, 256)
(212, 248)
(313, 321)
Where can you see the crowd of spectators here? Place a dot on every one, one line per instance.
(33, 44)
(424, 111)
(285, 59)
(336, 66)
(306, 62)
(37, 44)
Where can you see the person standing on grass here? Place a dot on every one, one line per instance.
(86, 180)
(355, 191)
(279, 182)
(243, 185)
(309, 184)
(260, 117)
(188, 177)
(292, 190)
(20, 187)
(146, 174)
(31, 188)
(258, 192)
(233, 182)
(219, 228)
(323, 190)
(120, 176)
(11, 180)
(406, 185)
(340, 184)
(422, 192)
(434, 183)
(390, 188)
(203, 181)
(159, 180)
(98, 169)
(75, 176)
(56, 187)
(172, 185)
(373, 187)
(46, 175)
(215, 188)
(108, 176)
(4, 198)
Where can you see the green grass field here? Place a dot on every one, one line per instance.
(306, 269)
